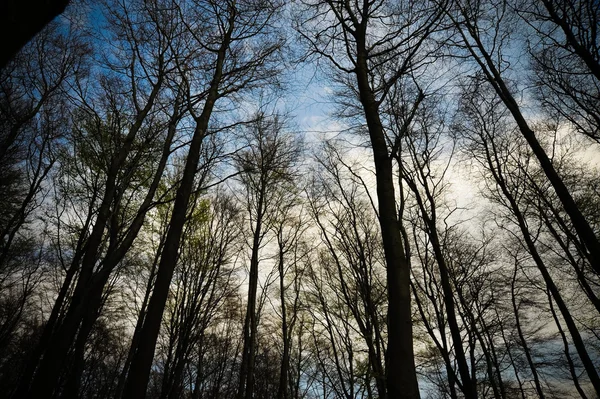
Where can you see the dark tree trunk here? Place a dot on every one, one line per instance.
(523, 342)
(493, 76)
(495, 167)
(21, 20)
(563, 336)
(401, 374)
(429, 217)
(246, 383)
(590, 59)
(283, 389)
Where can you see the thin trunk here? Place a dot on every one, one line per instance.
(296, 387)
(588, 57)
(494, 359)
(508, 345)
(369, 323)
(282, 390)
(246, 383)
(52, 363)
(136, 226)
(33, 361)
(138, 327)
(566, 348)
(72, 386)
(468, 387)
(175, 387)
(489, 363)
(199, 368)
(530, 362)
(470, 318)
(450, 373)
(57, 310)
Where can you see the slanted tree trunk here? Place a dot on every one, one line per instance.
(139, 374)
(21, 20)
(565, 341)
(429, 217)
(495, 167)
(474, 44)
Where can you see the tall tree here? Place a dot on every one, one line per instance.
(564, 49)
(202, 282)
(239, 53)
(267, 167)
(418, 137)
(489, 140)
(484, 31)
(352, 260)
(373, 45)
(124, 139)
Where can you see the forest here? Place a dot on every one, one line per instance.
(308, 199)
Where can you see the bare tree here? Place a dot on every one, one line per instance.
(484, 32)
(564, 49)
(488, 135)
(267, 167)
(202, 281)
(33, 118)
(373, 45)
(418, 137)
(239, 48)
(125, 140)
(289, 227)
(353, 261)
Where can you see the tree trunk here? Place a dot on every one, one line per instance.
(563, 337)
(282, 390)
(495, 168)
(137, 380)
(493, 76)
(429, 217)
(532, 367)
(246, 383)
(401, 374)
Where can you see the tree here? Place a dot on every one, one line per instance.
(113, 143)
(351, 258)
(34, 117)
(289, 226)
(34, 123)
(564, 51)
(202, 282)
(490, 142)
(239, 49)
(267, 171)
(164, 233)
(418, 138)
(483, 33)
(373, 45)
